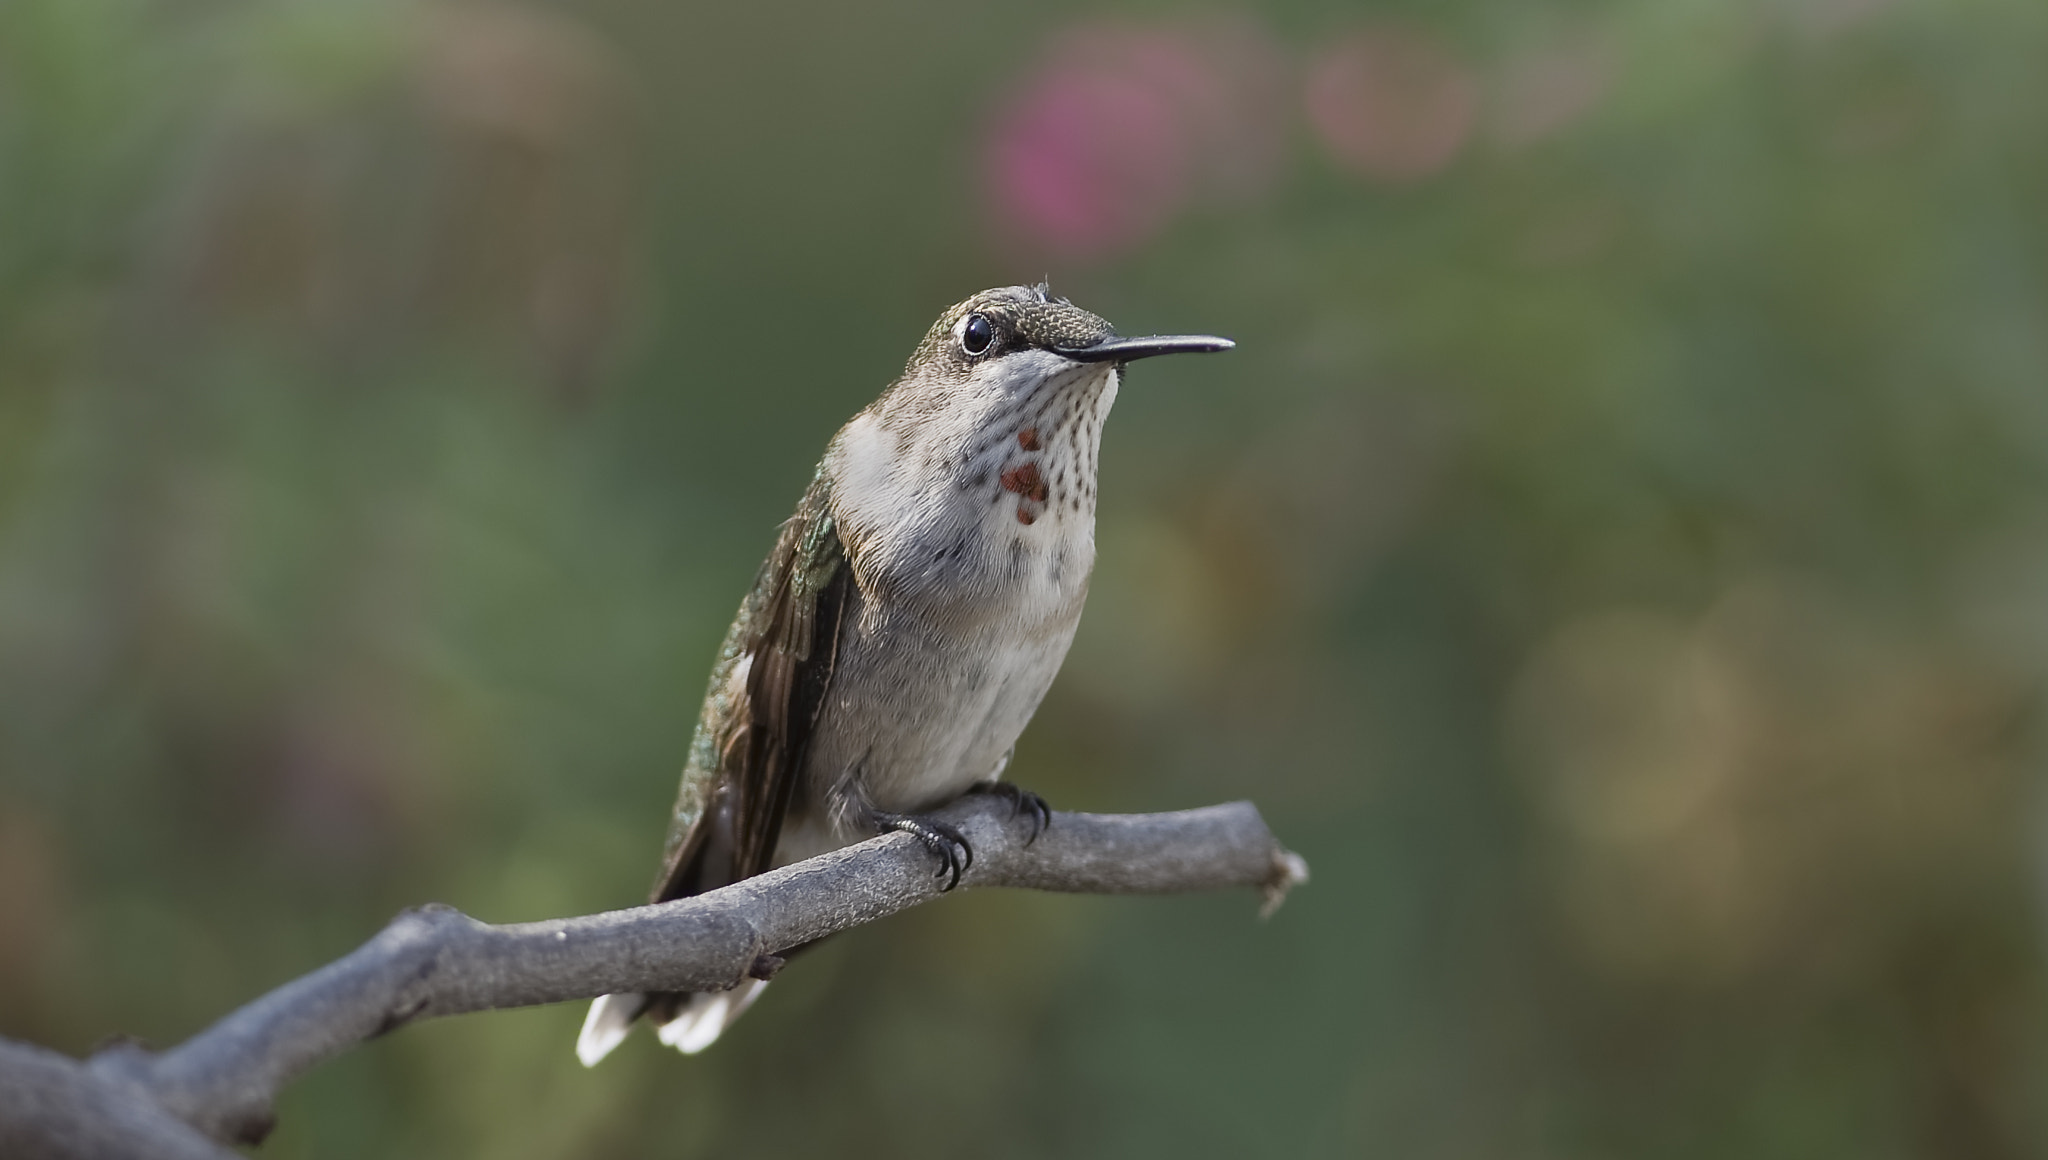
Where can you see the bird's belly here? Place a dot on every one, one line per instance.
(918, 722)
(945, 661)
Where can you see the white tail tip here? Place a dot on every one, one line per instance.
(611, 1016)
(706, 1016)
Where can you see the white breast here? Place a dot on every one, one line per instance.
(973, 567)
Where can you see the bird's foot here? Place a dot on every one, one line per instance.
(1021, 801)
(949, 844)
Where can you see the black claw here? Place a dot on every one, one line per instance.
(950, 845)
(1021, 800)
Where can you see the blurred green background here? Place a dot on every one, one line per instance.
(1616, 555)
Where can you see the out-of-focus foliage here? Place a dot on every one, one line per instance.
(1616, 556)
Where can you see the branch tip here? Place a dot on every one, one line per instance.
(1289, 871)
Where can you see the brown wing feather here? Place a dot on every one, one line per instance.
(785, 690)
(788, 631)
(749, 755)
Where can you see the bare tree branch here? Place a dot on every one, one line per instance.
(53, 1107)
(438, 961)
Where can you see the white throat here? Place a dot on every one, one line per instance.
(984, 495)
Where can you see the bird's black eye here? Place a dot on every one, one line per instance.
(977, 335)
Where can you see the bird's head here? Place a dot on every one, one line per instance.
(1020, 338)
(999, 408)
(1011, 361)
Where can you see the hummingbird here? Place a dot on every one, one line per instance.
(907, 623)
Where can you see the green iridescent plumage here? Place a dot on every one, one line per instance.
(751, 734)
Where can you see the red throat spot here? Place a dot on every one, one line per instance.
(1024, 515)
(1028, 438)
(1025, 481)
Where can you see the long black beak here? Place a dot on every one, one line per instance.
(1125, 350)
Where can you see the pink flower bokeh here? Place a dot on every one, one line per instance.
(1118, 129)
(1121, 127)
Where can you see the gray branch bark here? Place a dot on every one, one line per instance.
(220, 1085)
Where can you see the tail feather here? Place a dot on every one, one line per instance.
(610, 1018)
(705, 1015)
(696, 1024)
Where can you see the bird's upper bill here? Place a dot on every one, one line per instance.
(1123, 350)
